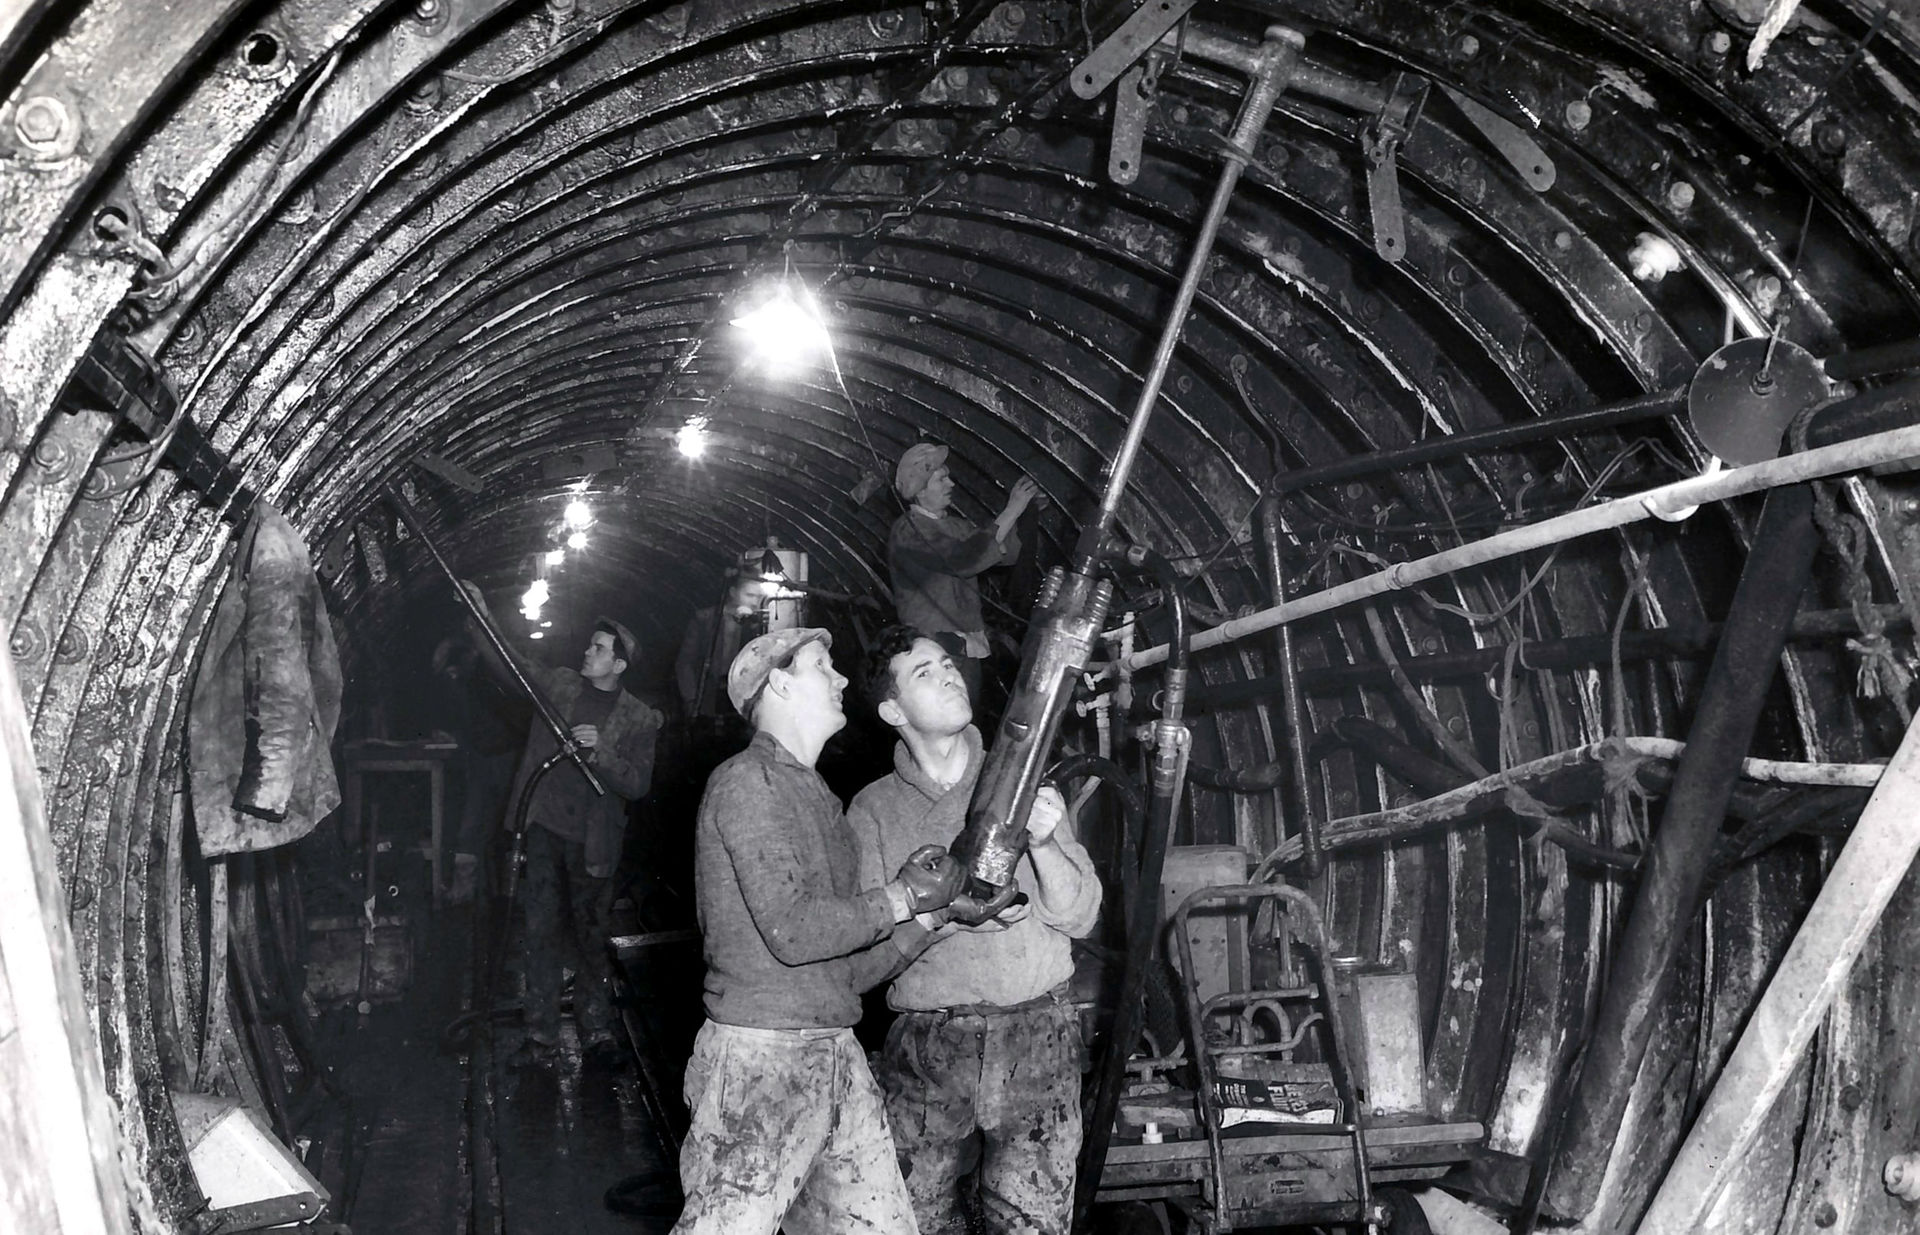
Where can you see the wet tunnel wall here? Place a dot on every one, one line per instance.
(511, 235)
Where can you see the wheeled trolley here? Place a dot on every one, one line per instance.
(1262, 1139)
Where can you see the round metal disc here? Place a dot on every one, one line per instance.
(1741, 402)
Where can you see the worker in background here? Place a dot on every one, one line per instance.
(574, 837)
(788, 1126)
(712, 640)
(490, 731)
(986, 1044)
(935, 557)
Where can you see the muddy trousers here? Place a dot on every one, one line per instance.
(559, 898)
(1000, 1087)
(788, 1132)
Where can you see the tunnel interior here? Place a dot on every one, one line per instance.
(487, 256)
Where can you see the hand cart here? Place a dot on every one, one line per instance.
(1295, 1146)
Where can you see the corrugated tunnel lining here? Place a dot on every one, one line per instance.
(499, 234)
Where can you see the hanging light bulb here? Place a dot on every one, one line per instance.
(577, 541)
(785, 329)
(578, 515)
(692, 437)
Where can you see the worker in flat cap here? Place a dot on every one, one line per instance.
(574, 837)
(935, 557)
(789, 1130)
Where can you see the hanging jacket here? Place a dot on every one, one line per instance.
(266, 698)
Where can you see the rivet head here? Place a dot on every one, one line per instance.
(1826, 1215)
(27, 641)
(1680, 195)
(1830, 138)
(73, 646)
(45, 125)
(1466, 48)
(52, 456)
(1579, 114)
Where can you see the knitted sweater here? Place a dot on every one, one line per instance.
(791, 940)
(989, 964)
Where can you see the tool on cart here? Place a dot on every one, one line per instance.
(1258, 1132)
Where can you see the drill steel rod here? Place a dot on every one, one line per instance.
(1270, 65)
(562, 735)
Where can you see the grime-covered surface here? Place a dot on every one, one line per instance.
(511, 236)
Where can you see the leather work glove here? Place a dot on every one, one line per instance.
(971, 911)
(930, 876)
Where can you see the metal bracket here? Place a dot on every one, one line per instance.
(117, 377)
(1132, 104)
(1380, 141)
(258, 1215)
(1515, 145)
(1119, 50)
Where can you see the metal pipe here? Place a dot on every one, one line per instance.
(1681, 853)
(1143, 912)
(1273, 61)
(1293, 709)
(1888, 447)
(1573, 652)
(1305, 77)
(1870, 868)
(562, 734)
(1873, 361)
(1658, 406)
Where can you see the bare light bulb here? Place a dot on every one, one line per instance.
(578, 515)
(783, 331)
(577, 541)
(692, 438)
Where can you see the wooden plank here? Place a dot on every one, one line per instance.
(1817, 964)
(50, 1072)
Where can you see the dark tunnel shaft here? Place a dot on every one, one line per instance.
(648, 317)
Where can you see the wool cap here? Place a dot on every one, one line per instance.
(756, 661)
(917, 467)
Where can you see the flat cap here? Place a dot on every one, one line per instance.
(917, 467)
(750, 668)
(624, 644)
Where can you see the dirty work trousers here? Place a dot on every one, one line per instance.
(1000, 1087)
(788, 1133)
(560, 898)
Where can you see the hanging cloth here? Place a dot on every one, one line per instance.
(266, 699)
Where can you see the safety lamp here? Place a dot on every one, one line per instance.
(578, 515)
(577, 541)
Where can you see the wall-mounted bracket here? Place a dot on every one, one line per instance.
(1120, 50)
(1380, 142)
(116, 377)
(1514, 143)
